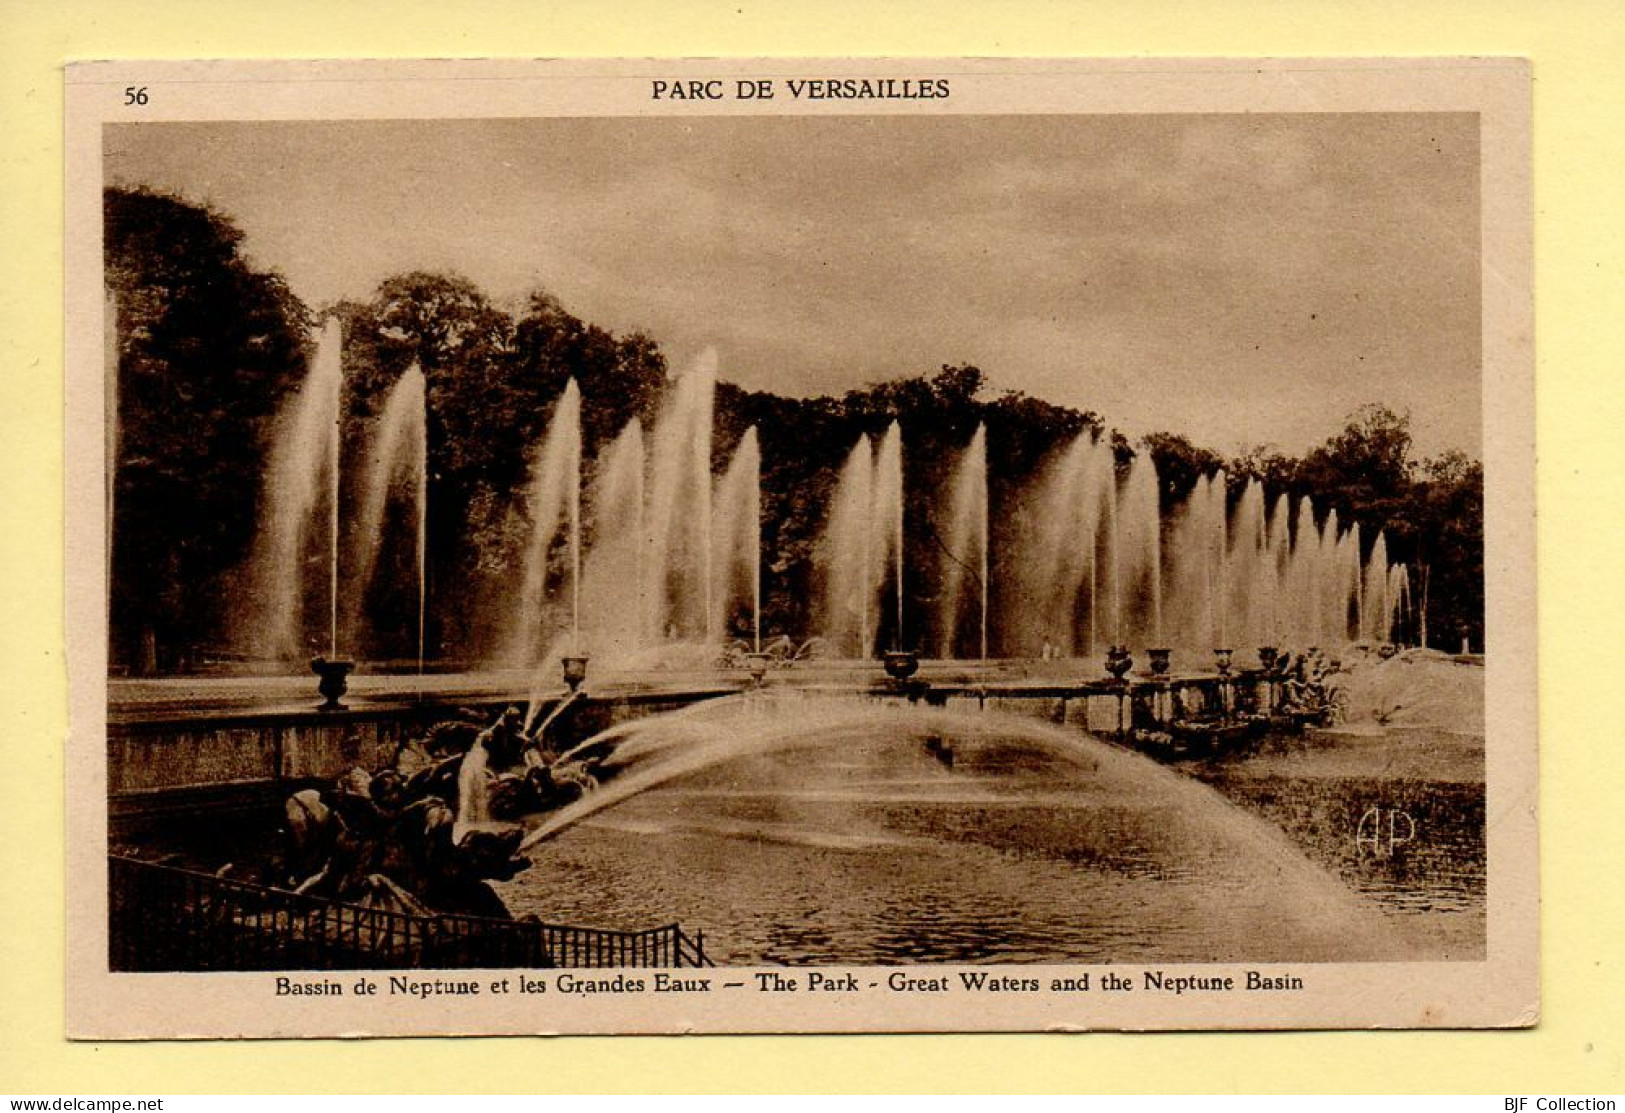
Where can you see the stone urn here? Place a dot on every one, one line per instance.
(1267, 656)
(335, 680)
(1161, 661)
(1118, 662)
(900, 664)
(575, 672)
(756, 664)
(1221, 660)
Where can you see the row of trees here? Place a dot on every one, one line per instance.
(209, 349)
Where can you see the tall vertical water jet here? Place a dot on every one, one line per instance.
(1343, 612)
(1100, 557)
(1399, 596)
(1317, 564)
(422, 446)
(887, 517)
(574, 497)
(846, 570)
(554, 475)
(305, 449)
(1377, 603)
(1251, 571)
(1077, 529)
(558, 479)
(1070, 511)
(753, 514)
(1194, 607)
(736, 538)
(1099, 482)
(863, 545)
(1049, 562)
(397, 463)
(985, 542)
(1356, 574)
(615, 617)
(1114, 562)
(677, 542)
(1314, 567)
(700, 461)
(1279, 549)
(1300, 625)
(1139, 533)
(1218, 521)
(966, 545)
(335, 450)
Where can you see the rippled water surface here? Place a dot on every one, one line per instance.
(1036, 844)
(1397, 815)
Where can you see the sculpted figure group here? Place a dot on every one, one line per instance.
(429, 830)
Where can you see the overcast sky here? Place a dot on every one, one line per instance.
(1239, 279)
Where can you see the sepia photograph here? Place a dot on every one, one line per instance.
(843, 545)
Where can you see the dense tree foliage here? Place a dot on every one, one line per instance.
(209, 348)
(1179, 463)
(492, 382)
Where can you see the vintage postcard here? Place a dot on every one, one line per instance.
(651, 546)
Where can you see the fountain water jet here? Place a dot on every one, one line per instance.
(398, 457)
(555, 480)
(1376, 607)
(335, 453)
(574, 498)
(1139, 541)
(305, 448)
(423, 522)
(615, 629)
(846, 571)
(736, 537)
(677, 544)
(967, 541)
(887, 515)
(773, 746)
(1058, 553)
(1399, 597)
(1277, 559)
(1326, 585)
(863, 543)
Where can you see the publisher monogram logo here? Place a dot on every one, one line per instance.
(1382, 831)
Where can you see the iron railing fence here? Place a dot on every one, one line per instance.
(166, 919)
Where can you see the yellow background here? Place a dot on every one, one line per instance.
(1579, 149)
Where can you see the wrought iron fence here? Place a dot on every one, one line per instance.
(167, 919)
